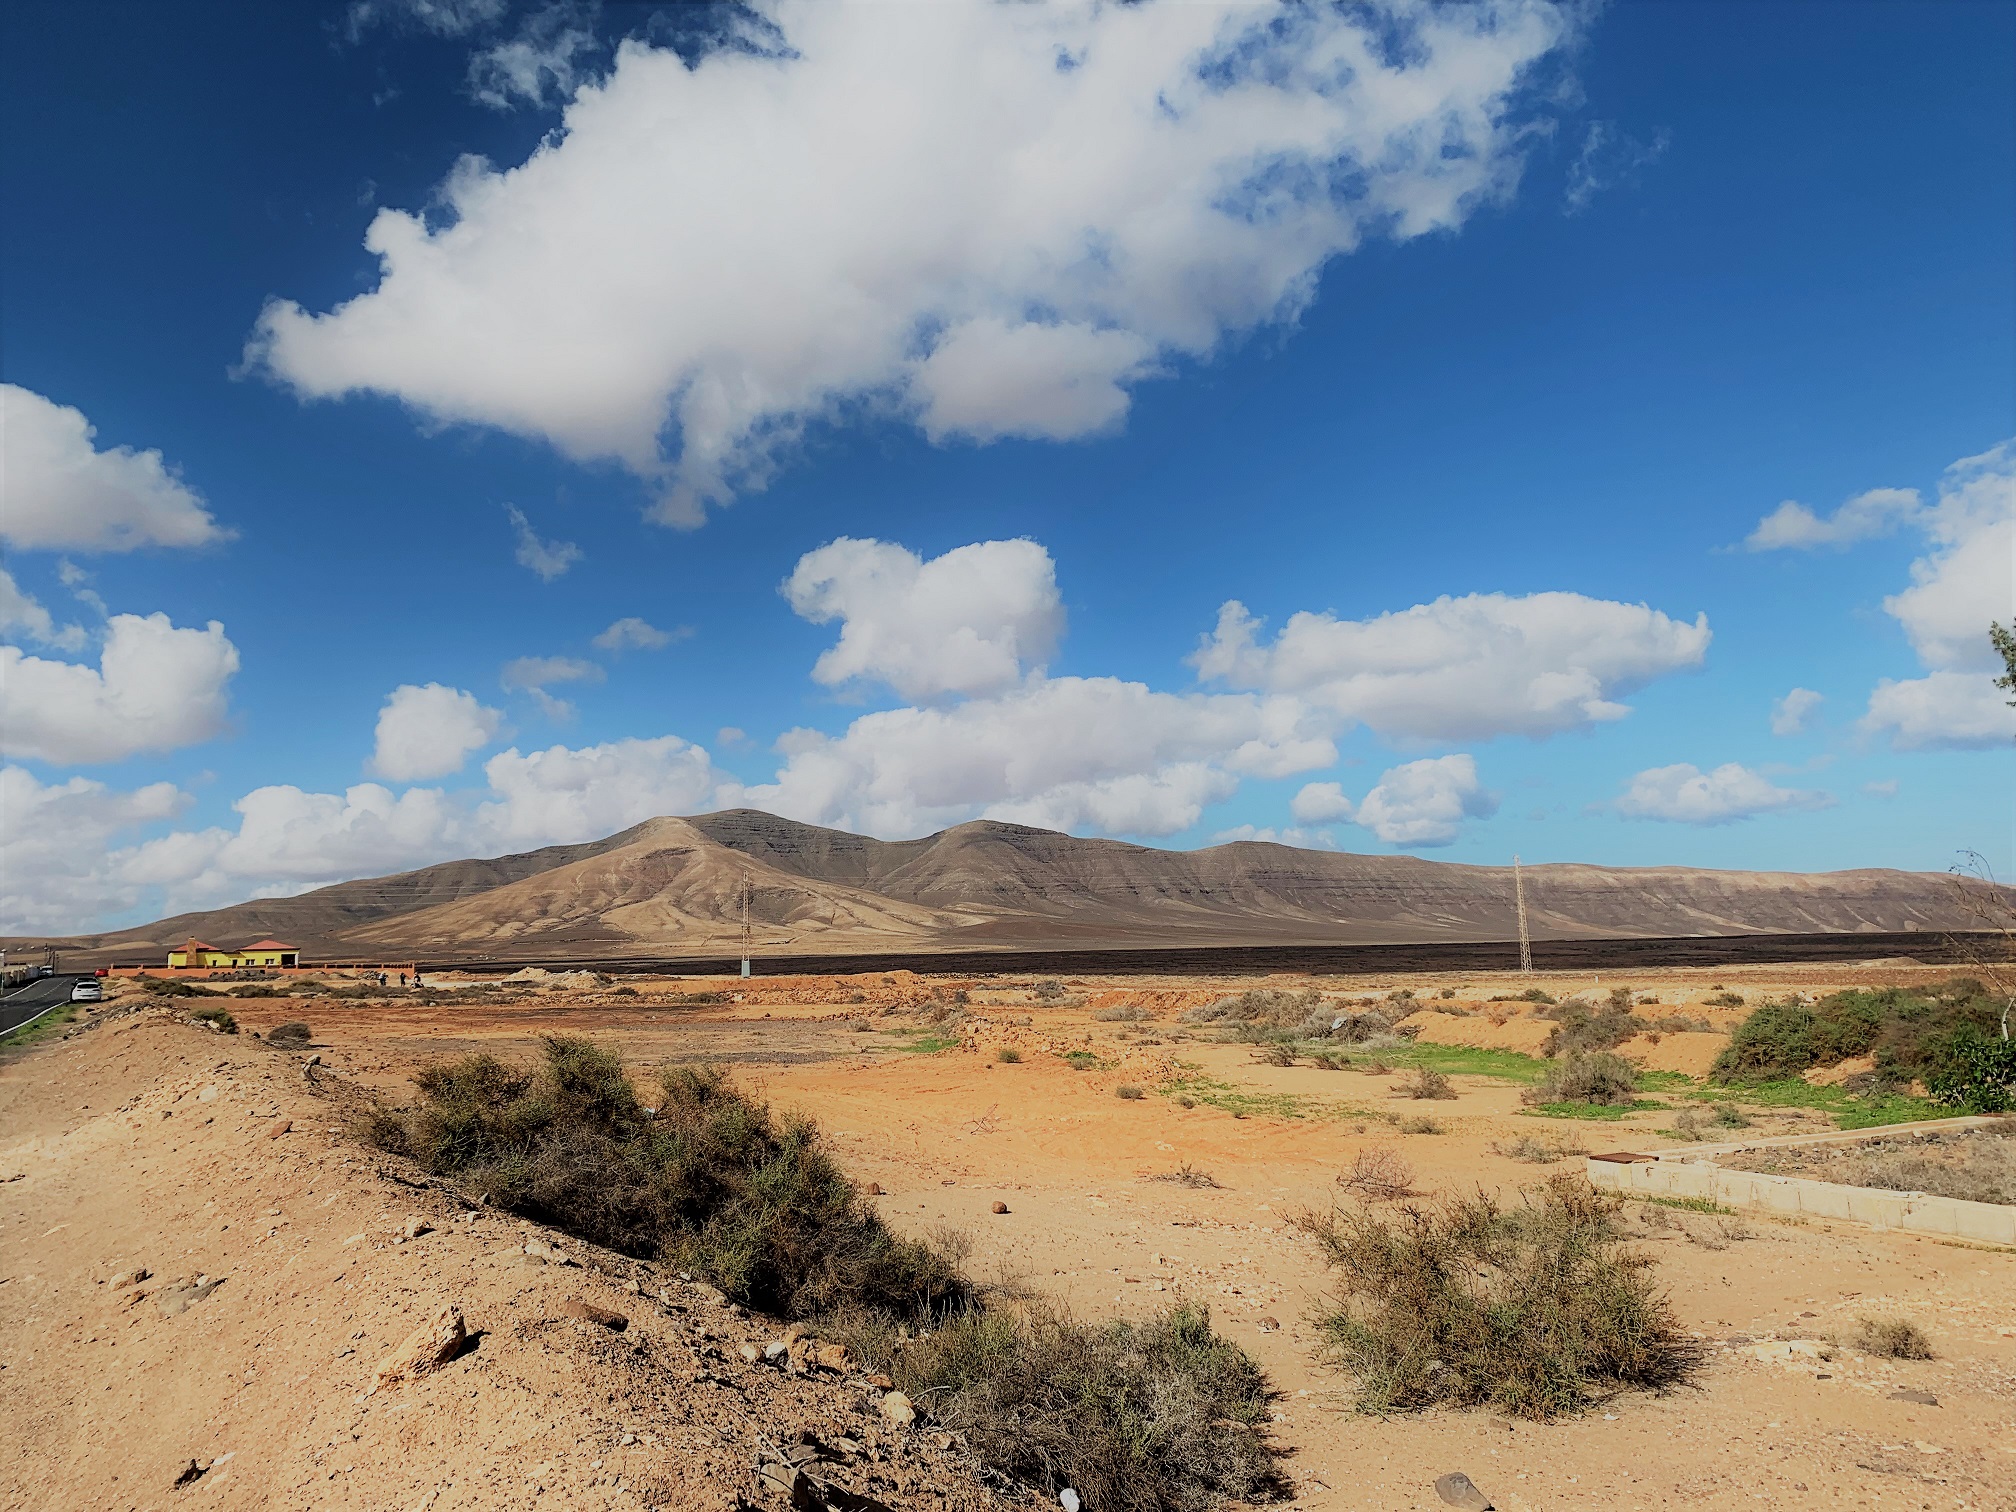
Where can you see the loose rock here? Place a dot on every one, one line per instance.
(601, 1317)
(896, 1409)
(1914, 1394)
(429, 1347)
(1458, 1490)
(1000, 1207)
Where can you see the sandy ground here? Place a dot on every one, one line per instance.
(1785, 1414)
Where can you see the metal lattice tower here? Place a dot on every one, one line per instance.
(746, 938)
(1525, 939)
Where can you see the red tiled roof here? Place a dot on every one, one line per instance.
(196, 945)
(266, 945)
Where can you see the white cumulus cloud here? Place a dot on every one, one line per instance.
(633, 634)
(21, 613)
(990, 219)
(1966, 580)
(1425, 802)
(1684, 794)
(54, 841)
(548, 559)
(1794, 527)
(156, 687)
(970, 621)
(58, 491)
(430, 730)
(1321, 802)
(1462, 668)
(1072, 752)
(1791, 714)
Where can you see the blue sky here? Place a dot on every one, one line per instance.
(1489, 378)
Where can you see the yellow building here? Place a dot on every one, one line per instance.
(263, 953)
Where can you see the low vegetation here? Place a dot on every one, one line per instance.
(1141, 1416)
(218, 1018)
(1537, 1309)
(1581, 1029)
(1127, 1014)
(1601, 1079)
(1162, 1415)
(1427, 1084)
(1947, 1037)
(1534, 1151)
(1378, 1175)
(296, 1036)
(1892, 1339)
(169, 987)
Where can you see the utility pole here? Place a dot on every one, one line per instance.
(745, 929)
(1525, 939)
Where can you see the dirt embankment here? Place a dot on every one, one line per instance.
(205, 1292)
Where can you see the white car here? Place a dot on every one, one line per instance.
(87, 990)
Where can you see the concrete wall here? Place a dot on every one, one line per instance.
(1983, 1222)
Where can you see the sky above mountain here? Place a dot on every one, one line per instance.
(449, 427)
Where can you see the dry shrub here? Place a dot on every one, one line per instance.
(1538, 1151)
(220, 1017)
(1602, 1078)
(1538, 1310)
(1187, 1175)
(1578, 1027)
(1278, 1055)
(1427, 1085)
(1128, 1092)
(1378, 1176)
(1009, 1056)
(1161, 1415)
(1893, 1339)
(710, 1180)
(1126, 1014)
(290, 1036)
(1420, 1123)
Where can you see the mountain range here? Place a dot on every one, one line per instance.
(679, 888)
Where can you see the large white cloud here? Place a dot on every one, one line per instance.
(1966, 580)
(1685, 794)
(1080, 752)
(55, 839)
(989, 218)
(1794, 527)
(156, 687)
(1461, 668)
(1426, 802)
(564, 795)
(970, 621)
(21, 613)
(59, 492)
(429, 730)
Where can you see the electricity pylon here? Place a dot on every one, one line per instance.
(1525, 939)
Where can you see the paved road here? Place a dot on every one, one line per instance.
(37, 998)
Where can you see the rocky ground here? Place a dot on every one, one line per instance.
(144, 1142)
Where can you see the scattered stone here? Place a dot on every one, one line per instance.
(131, 1277)
(879, 1381)
(429, 1347)
(601, 1317)
(751, 1353)
(1914, 1394)
(1000, 1207)
(1068, 1499)
(875, 1189)
(414, 1227)
(278, 1127)
(1458, 1490)
(793, 1332)
(776, 1350)
(178, 1297)
(834, 1357)
(191, 1473)
(1270, 1325)
(897, 1411)
(712, 1294)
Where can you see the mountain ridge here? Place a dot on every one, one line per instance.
(676, 886)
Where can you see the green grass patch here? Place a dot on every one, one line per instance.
(924, 1041)
(1466, 1060)
(1688, 1204)
(1606, 1112)
(1849, 1110)
(50, 1026)
(1229, 1099)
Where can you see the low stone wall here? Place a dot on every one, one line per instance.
(1694, 1173)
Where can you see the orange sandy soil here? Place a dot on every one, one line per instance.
(947, 1133)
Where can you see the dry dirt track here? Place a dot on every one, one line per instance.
(946, 1134)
